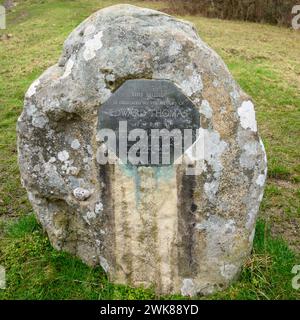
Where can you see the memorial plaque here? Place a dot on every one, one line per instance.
(151, 106)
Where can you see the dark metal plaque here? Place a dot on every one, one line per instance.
(147, 105)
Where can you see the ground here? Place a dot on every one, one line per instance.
(263, 59)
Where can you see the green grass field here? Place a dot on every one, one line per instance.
(263, 59)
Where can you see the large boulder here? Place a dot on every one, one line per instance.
(144, 225)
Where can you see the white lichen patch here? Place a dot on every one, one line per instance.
(31, 110)
(90, 29)
(230, 226)
(54, 179)
(248, 157)
(89, 150)
(63, 155)
(251, 237)
(188, 288)
(98, 243)
(92, 45)
(261, 180)
(106, 93)
(205, 109)
(209, 147)
(75, 144)
(251, 217)
(192, 84)
(104, 264)
(216, 83)
(72, 170)
(98, 207)
(247, 116)
(235, 94)
(220, 236)
(228, 271)
(81, 194)
(174, 48)
(32, 89)
(90, 215)
(52, 159)
(217, 224)
(213, 150)
(68, 68)
(110, 77)
(211, 188)
(39, 121)
(264, 151)
(222, 109)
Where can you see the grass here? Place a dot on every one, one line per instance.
(37, 271)
(263, 59)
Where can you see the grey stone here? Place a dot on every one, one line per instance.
(81, 194)
(145, 226)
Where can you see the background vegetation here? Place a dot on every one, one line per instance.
(270, 11)
(264, 59)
